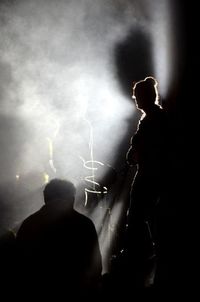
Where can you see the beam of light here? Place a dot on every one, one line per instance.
(105, 216)
(164, 48)
(108, 221)
(108, 233)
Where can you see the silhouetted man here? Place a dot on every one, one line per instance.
(149, 151)
(58, 247)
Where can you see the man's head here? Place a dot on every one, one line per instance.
(58, 189)
(145, 93)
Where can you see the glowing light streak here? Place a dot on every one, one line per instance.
(51, 163)
(92, 165)
(50, 149)
(46, 178)
(91, 179)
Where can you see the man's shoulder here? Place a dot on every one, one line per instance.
(82, 217)
(84, 221)
(28, 223)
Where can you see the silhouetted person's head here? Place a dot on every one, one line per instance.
(58, 191)
(145, 93)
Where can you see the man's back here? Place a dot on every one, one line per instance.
(58, 251)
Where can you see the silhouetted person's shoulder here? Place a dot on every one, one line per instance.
(82, 220)
(45, 217)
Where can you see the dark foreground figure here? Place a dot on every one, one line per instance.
(57, 248)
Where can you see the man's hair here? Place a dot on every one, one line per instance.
(59, 189)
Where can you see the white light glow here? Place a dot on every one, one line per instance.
(162, 32)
